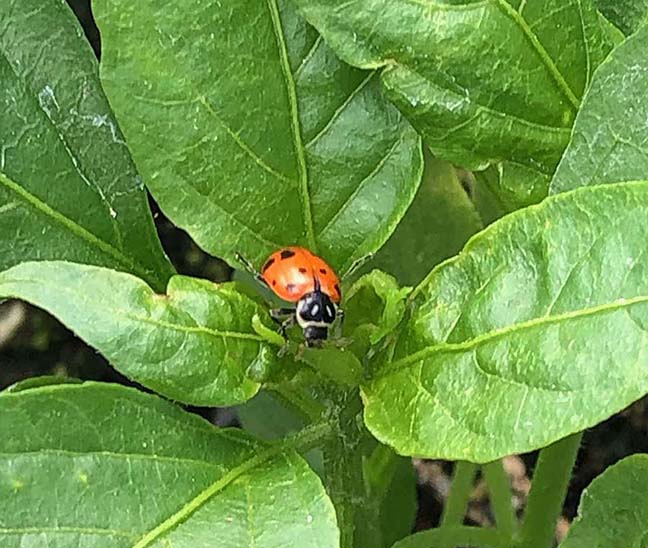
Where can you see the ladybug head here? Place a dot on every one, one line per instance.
(315, 314)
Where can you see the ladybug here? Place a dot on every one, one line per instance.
(296, 275)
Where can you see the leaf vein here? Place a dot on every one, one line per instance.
(242, 144)
(495, 334)
(65, 530)
(361, 184)
(79, 231)
(295, 124)
(340, 109)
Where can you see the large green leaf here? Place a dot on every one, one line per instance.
(538, 329)
(249, 131)
(614, 507)
(609, 140)
(68, 187)
(103, 465)
(193, 344)
(482, 80)
(628, 15)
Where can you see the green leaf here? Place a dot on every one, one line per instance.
(103, 465)
(435, 227)
(251, 134)
(193, 344)
(374, 306)
(537, 330)
(68, 187)
(483, 81)
(609, 140)
(613, 507)
(628, 15)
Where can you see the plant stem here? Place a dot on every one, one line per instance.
(343, 465)
(548, 490)
(463, 479)
(499, 488)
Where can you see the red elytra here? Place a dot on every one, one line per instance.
(294, 271)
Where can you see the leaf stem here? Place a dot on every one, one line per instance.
(548, 490)
(499, 487)
(463, 479)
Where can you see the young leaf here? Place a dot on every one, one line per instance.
(133, 470)
(251, 134)
(609, 140)
(193, 344)
(628, 15)
(375, 305)
(613, 507)
(68, 187)
(537, 330)
(483, 81)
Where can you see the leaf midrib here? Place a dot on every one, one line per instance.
(108, 455)
(130, 316)
(203, 497)
(295, 124)
(67, 530)
(75, 161)
(496, 334)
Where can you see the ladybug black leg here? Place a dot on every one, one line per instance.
(285, 317)
(250, 268)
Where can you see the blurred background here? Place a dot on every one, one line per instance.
(33, 343)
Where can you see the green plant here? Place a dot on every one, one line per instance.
(261, 124)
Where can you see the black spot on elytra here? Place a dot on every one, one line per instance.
(322, 270)
(290, 288)
(337, 288)
(287, 253)
(268, 264)
(302, 270)
(274, 282)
